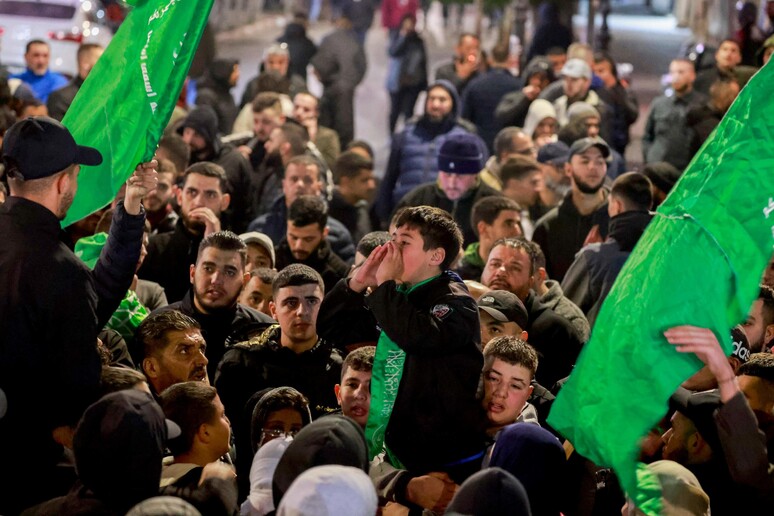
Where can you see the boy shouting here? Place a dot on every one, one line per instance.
(428, 361)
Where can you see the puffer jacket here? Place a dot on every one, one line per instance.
(413, 157)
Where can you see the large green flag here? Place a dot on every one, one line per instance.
(127, 99)
(698, 263)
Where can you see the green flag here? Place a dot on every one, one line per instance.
(127, 99)
(699, 263)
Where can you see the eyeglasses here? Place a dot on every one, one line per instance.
(274, 433)
(269, 434)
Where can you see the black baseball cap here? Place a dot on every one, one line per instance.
(504, 307)
(554, 153)
(42, 147)
(582, 145)
(700, 408)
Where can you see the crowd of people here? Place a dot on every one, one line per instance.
(261, 323)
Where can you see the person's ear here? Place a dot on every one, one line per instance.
(568, 169)
(438, 256)
(524, 336)
(178, 192)
(63, 182)
(203, 434)
(337, 390)
(768, 334)
(325, 232)
(273, 310)
(150, 367)
(482, 227)
(246, 278)
(191, 273)
(225, 201)
(531, 388)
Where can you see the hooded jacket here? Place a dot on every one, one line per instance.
(333, 439)
(330, 489)
(539, 110)
(490, 492)
(300, 48)
(512, 109)
(536, 458)
(260, 501)
(550, 32)
(215, 91)
(204, 121)
(118, 447)
(555, 299)
(481, 97)
(591, 276)
(264, 362)
(413, 156)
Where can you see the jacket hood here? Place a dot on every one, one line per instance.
(263, 403)
(490, 492)
(333, 439)
(204, 121)
(539, 110)
(294, 31)
(330, 489)
(118, 447)
(219, 73)
(449, 87)
(548, 13)
(536, 458)
(580, 111)
(626, 228)
(537, 65)
(261, 473)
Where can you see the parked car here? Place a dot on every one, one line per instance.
(63, 24)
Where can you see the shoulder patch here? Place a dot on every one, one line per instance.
(441, 311)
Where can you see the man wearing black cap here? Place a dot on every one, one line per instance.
(460, 159)
(200, 131)
(565, 229)
(502, 314)
(591, 276)
(552, 158)
(53, 306)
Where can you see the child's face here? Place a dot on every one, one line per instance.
(506, 390)
(285, 422)
(418, 264)
(354, 395)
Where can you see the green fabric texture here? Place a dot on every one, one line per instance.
(699, 263)
(472, 256)
(88, 249)
(131, 312)
(385, 381)
(124, 104)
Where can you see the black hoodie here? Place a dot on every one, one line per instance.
(300, 47)
(215, 91)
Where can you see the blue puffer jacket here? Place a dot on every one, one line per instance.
(413, 157)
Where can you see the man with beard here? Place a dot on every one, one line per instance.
(306, 111)
(171, 350)
(576, 87)
(306, 241)
(200, 131)
(267, 116)
(158, 204)
(511, 266)
(759, 326)
(592, 274)
(217, 279)
(413, 159)
(285, 143)
(302, 177)
(202, 199)
(52, 305)
(565, 229)
(552, 158)
(667, 136)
